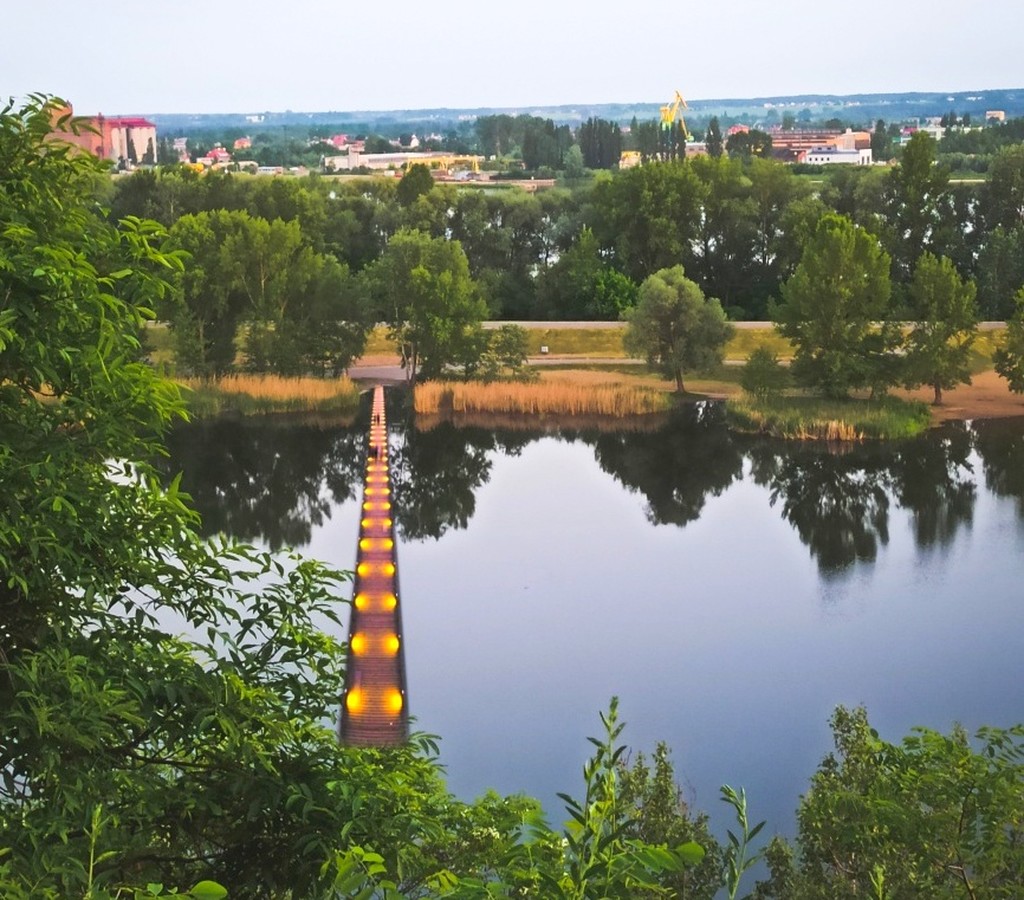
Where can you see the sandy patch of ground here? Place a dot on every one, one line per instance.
(987, 397)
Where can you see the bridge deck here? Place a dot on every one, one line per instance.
(374, 710)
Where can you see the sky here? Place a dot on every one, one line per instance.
(185, 56)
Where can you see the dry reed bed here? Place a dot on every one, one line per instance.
(270, 393)
(549, 397)
(276, 387)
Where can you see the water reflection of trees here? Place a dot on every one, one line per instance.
(262, 480)
(838, 500)
(275, 482)
(677, 467)
(1000, 443)
(435, 474)
(934, 480)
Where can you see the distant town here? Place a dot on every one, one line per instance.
(487, 144)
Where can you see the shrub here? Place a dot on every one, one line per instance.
(763, 377)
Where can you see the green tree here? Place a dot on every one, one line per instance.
(916, 205)
(713, 138)
(1003, 195)
(658, 815)
(746, 144)
(1009, 357)
(601, 856)
(945, 327)
(601, 143)
(834, 307)
(507, 350)
(1000, 272)
(580, 285)
(648, 216)
(762, 376)
(211, 304)
(432, 306)
(416, 181)
(881, 143)
(929, 817)
(724, 249)
(674, 327)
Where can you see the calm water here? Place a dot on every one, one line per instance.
(730, 592)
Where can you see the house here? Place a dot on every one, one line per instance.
(831, 155)
(826, 147)
(125, 140)
(217, 156)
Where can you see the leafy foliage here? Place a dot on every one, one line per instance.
(946, 324)
(762, 376)
(425, 293)
(1009, 357)
(932, 817)
(600, 857)
(831, 309)
(674, 327)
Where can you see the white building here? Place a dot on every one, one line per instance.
(830, 156)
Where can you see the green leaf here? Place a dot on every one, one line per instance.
(691, 853)
(208, 890)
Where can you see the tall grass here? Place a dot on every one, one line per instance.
(261, 394)
(546, 398)
(811, 418)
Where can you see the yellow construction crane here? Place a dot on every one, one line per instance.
(670, 112)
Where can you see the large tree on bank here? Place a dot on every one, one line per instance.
(834, 309)
(432, 306)
(946, 324)
(674, 327)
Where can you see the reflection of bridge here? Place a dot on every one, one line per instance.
(374, 711)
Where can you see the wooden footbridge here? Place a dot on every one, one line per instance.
(374, 709)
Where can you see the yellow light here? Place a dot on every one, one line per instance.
(393, 701)
(355, 701)
(360, 601)
(358, 643)
(391, 644)
(376, 544)
(376, 506)
(363, 569)
(388, 569)
(389, 601)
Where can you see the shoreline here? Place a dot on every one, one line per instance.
(987, 397)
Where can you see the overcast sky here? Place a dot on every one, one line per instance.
(311, 55)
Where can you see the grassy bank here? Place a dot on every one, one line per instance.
(812, 418)
(604, 342)
(551, 397)
(262, 394)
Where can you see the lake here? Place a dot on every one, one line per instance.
(730, 591)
